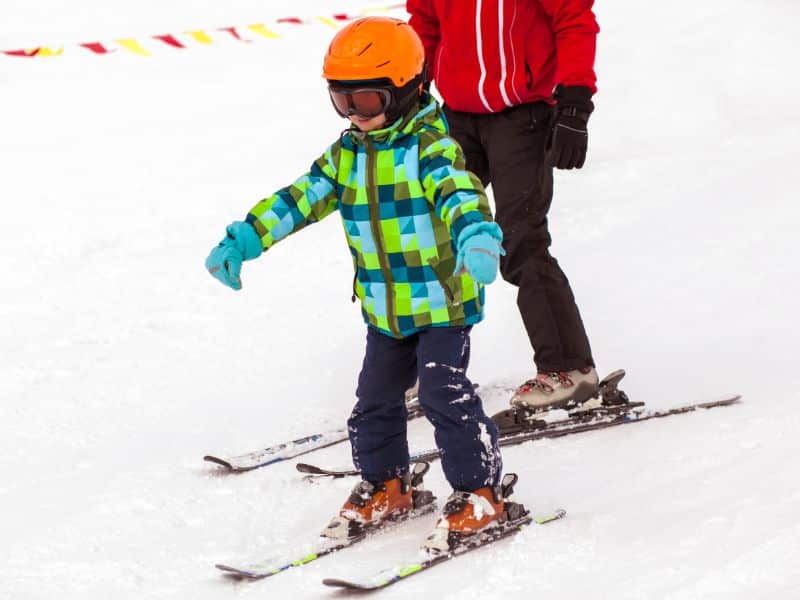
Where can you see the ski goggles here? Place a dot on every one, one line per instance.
(367, 102)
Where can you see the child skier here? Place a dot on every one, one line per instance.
(423, 244)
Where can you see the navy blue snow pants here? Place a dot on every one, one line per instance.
(465, 435)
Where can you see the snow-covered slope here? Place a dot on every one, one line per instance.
(122, 362)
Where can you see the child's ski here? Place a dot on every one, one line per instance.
(322, 547)
(425, 560)
(577, 422)
(315, 471)
(298, 447)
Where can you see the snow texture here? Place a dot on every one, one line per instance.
(122, 362)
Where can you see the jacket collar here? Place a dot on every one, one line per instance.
(426, 114)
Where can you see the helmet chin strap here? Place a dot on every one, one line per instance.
(405, 97)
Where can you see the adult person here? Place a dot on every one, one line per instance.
(517, 78)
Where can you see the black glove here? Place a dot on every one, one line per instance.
(569, 138)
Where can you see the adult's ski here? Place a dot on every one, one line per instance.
(298, 447)
(425, 560)
(601, 417)
(612, 419)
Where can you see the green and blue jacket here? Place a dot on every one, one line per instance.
(404, 196)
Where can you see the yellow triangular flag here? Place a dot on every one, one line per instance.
(328, 21)
(44, 51)
(201, 36)
(133, 45)
(260, 29)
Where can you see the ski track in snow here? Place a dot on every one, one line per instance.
(123, 362)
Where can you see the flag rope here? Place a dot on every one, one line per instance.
(144, 46)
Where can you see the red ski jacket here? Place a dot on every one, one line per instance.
(488, 55)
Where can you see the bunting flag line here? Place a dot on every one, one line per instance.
(202, 37)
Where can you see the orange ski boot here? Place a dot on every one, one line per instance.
(472, 516)
(371, 505)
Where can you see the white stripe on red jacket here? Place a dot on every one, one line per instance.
(488, 55)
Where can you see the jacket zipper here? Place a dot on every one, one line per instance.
(374, 222)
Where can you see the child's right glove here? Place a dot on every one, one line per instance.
(225, 261)
(479, 251)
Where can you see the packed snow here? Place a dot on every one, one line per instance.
(122, 362)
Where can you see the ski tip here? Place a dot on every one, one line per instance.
(226, 569)
(338, 583)
(724, 402)
(235, 573)
(557, 514)
(343, 584)
(310, 469)
(219, 461)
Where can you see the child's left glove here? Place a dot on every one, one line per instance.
(479, 251)
(225, 261)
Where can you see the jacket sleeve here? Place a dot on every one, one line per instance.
(457, 195)
(575, 29)
(425, 22)
(309, 199)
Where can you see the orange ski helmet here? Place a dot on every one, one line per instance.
(377, 51)
(375, 48)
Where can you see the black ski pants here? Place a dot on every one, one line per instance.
(507, 150)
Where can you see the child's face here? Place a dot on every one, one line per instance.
(368, 124)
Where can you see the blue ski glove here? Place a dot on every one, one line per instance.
(479, 251)
(225, 261)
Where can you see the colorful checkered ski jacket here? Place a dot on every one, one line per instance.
(404, 196)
